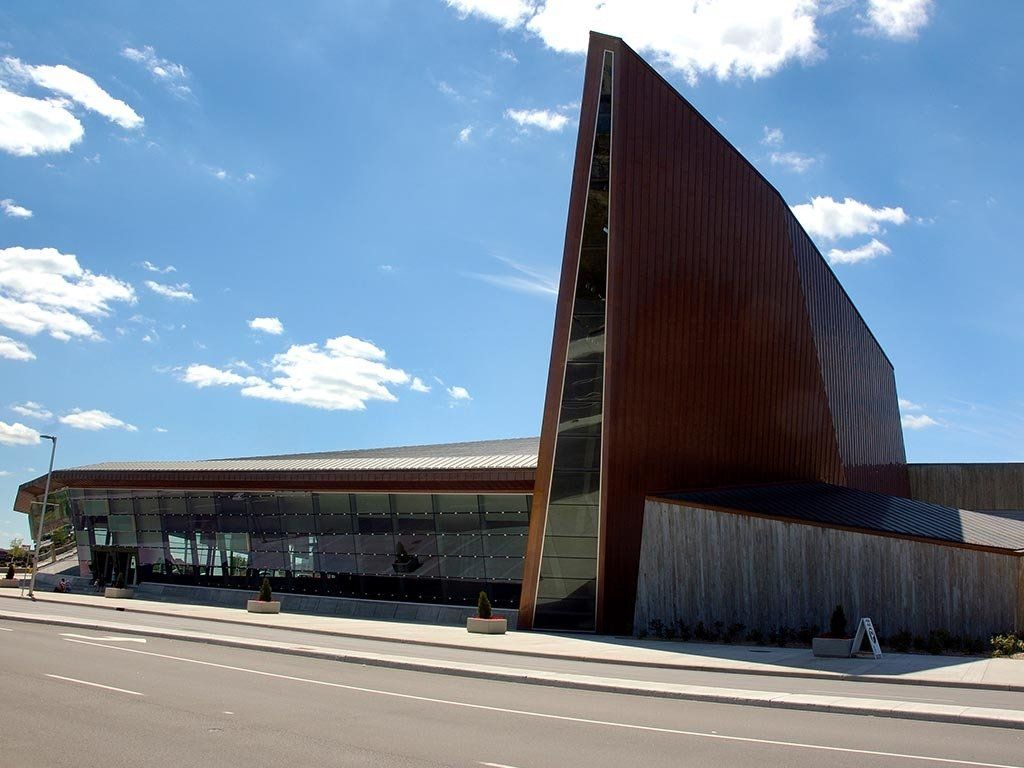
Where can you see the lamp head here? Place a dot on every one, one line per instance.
(49, 437)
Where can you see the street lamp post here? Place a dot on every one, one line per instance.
(42, 514)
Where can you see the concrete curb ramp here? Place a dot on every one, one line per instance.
(909, 710)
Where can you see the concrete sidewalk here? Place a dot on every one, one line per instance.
(915, 669)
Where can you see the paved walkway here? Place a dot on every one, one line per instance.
(956, 671)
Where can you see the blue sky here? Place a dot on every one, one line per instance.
(364, 206)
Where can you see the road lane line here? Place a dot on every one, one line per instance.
(96, 685)
(498, 765)
(5, 629)
(548, 716)
(106, 639)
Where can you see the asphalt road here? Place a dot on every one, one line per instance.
(895, 692)
(82, 698)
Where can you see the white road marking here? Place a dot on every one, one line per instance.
(5, 629)
(96, 685)
(228, 713)
(106, 639)
(892, 698)
(562, 718)
(498, 765)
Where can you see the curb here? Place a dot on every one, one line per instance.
(939, 713)
(803, 674)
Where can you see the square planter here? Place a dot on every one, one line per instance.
(259, 606)
(832, 647)
(124, 594)
(492, 626)
(10, 583)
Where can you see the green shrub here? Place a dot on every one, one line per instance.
(685, 633)
(901, 641)
(1006, 645)
(119, 581)
(483, 606)
(266, 595)
(938, 641)
(733, 632)
(10, 571)
(837, 623)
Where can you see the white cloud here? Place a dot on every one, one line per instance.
(830, 219)
(165, 71)
(508, 13)
(31, 126)
(418, 385)
(180, 291)
(793, 161)
(866, 252)
(344, 374)
(269, 325)
(78, 87)
(17, 434)
(728, 38)
(207, 376)
(219, 173)
(910, 421)
(42, 289)
(15, 211)
(94, 420)
(899, 19)
(151, 267)
(772, 137)
(508, 55)
(908, 405)
(524, 279)
(11, 349)
(161, 430)
(539, 118)
(250, 176)
(447, 90)
(465, 133)
(32, 410)
(459, 393)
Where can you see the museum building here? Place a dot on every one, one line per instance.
(720, 439)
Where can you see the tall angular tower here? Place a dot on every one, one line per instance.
(700, 340)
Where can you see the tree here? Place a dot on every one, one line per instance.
(266, 595)
(18, 549)
(483, 606)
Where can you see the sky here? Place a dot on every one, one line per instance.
(242, 228)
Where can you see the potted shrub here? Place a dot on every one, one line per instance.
(10, 581)
(264, 602)
(484, 622)
(119, 589)
(837, 643)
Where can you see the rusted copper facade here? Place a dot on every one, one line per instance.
(732, 355)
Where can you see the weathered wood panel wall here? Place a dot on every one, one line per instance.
(969, 486)
(704, 565)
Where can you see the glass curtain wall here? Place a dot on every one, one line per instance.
(567, 588)
(416, 547)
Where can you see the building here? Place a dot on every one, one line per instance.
(709, 378)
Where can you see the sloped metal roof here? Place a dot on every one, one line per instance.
(515, 453)
(833, 505)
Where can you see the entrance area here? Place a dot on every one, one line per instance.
(110, 562)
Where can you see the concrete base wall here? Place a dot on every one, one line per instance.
(703, 565)
(420, 613)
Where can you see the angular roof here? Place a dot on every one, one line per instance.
(515, 453)
(835, 506)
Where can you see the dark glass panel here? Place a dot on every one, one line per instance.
(372, 503)
(575, 487)
(570, 546)
(507, 523)
(500, 502)
(458, 523)
(504, 546)
(333, 503)
(568, 568)
(462, 567)
(374, 524)
(577, 453)
(376, 544)
(505, 568)
(335, 544)
(411, 504)
(457, 503)
(464, 544)
(415, 524)
(335, 523)
(571, 520)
